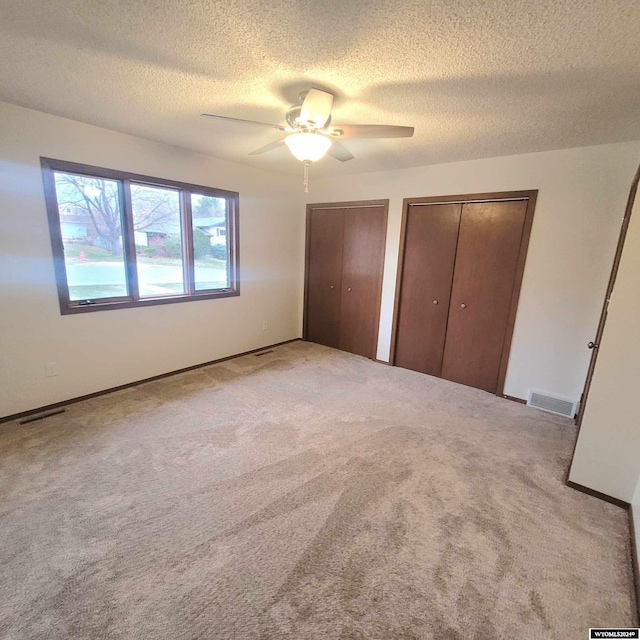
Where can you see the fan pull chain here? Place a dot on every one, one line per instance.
(306, 176)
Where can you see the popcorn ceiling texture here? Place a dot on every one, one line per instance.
(307, 494)
(476, 79)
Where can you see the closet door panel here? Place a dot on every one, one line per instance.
(431, 235)
(326, 229)
(487, 257)
(363, 262)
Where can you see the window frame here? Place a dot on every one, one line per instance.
(125, 179)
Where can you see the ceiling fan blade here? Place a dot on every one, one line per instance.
(268, 147)
(371, 131)
(316, 107)
(339, 152)
(263, 124)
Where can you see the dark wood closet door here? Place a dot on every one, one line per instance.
(326, 228)
(431, 235)
(485, 271)
(363, 262)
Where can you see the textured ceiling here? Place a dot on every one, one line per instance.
(475, 78)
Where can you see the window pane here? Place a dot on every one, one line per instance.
(91, 226)
(210, 248)
(158, 238)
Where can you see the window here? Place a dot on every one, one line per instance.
(122, 240)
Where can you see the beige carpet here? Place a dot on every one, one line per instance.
(303, 494)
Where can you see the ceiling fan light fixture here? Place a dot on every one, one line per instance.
(308, 147)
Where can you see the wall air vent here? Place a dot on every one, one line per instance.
(552, 404)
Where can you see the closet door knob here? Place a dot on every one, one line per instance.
(435, 302)
(332, 286)
(349, 289)
(463, 306)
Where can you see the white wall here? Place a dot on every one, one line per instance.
(581, 199)
(580, 205)
(100, 350)
(607, 456)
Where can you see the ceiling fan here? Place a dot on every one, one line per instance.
(311, 135)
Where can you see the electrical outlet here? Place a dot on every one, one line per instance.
(51, 369)
(265, 325)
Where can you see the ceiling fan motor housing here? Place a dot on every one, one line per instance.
(293, 119)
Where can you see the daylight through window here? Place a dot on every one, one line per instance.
(122, 240)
